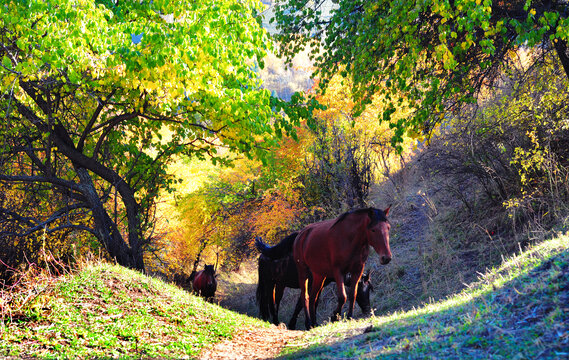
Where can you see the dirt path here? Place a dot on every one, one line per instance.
(268, 343)
(252, 343)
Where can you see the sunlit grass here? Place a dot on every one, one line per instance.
(109, 311)
(514, 310)
(518, 309)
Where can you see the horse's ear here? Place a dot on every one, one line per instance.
(386, 211)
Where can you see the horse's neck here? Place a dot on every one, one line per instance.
(365, 252)
(356, 233)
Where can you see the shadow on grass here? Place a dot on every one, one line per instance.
(241, 299)
(526, 317)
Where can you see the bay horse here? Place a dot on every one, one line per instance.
(335, 247)
(204, 282)
(276, 275)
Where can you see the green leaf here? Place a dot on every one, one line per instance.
(21, 44)
(6, 62)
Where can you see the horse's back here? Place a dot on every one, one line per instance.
(327, 246)
(312, 246)
(280, 250)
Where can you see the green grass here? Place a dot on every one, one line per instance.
(517, 311)
(107, 311)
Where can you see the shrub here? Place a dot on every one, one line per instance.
(338, 170)
(510, 153)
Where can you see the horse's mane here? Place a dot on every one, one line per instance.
(375, 215)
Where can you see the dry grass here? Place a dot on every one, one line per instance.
(30, 284)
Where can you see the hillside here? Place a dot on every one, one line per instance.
(108, 311)
(519, 310)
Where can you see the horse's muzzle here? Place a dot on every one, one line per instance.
(384, 260)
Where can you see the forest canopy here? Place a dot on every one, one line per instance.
(438, 55)
(97, 98)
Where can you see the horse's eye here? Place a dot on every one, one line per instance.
(373, 230)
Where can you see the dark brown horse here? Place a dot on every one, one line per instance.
(204, 282)
(334, 248)
(276, 275)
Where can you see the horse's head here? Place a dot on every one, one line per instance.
(378, 233)
(209, 269)
(364, 290)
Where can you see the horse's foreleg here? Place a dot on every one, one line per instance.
(354, 281)
(339, 278)
(317, 284)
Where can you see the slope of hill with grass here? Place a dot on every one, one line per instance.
(517, 311)
(104, 310)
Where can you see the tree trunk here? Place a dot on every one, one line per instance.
(561, 48)
(107, 231)
(129, 255)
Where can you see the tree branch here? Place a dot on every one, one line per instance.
(94, 118)
(42, 179)
(41, 225)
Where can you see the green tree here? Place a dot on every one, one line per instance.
(436, 54)
(96, 97)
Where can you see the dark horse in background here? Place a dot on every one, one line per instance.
(332, 249)
(204, 282)
(276, 275)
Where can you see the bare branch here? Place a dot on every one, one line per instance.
(41, 179)
(43, 225)
(94, 118)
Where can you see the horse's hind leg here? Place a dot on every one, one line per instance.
(276, 302)
(317, 284)
(339, 278)
(270, 296)
(304, 296)
(297, 308)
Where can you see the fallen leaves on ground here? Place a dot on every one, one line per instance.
(252, 343)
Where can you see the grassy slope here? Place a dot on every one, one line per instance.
(520, 310)
(517, 311)
(110, 311)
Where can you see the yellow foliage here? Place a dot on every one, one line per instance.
(340, 108)
(274, 217)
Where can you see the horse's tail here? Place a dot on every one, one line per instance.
(278, 251)
(260, 245)
(262, 290)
